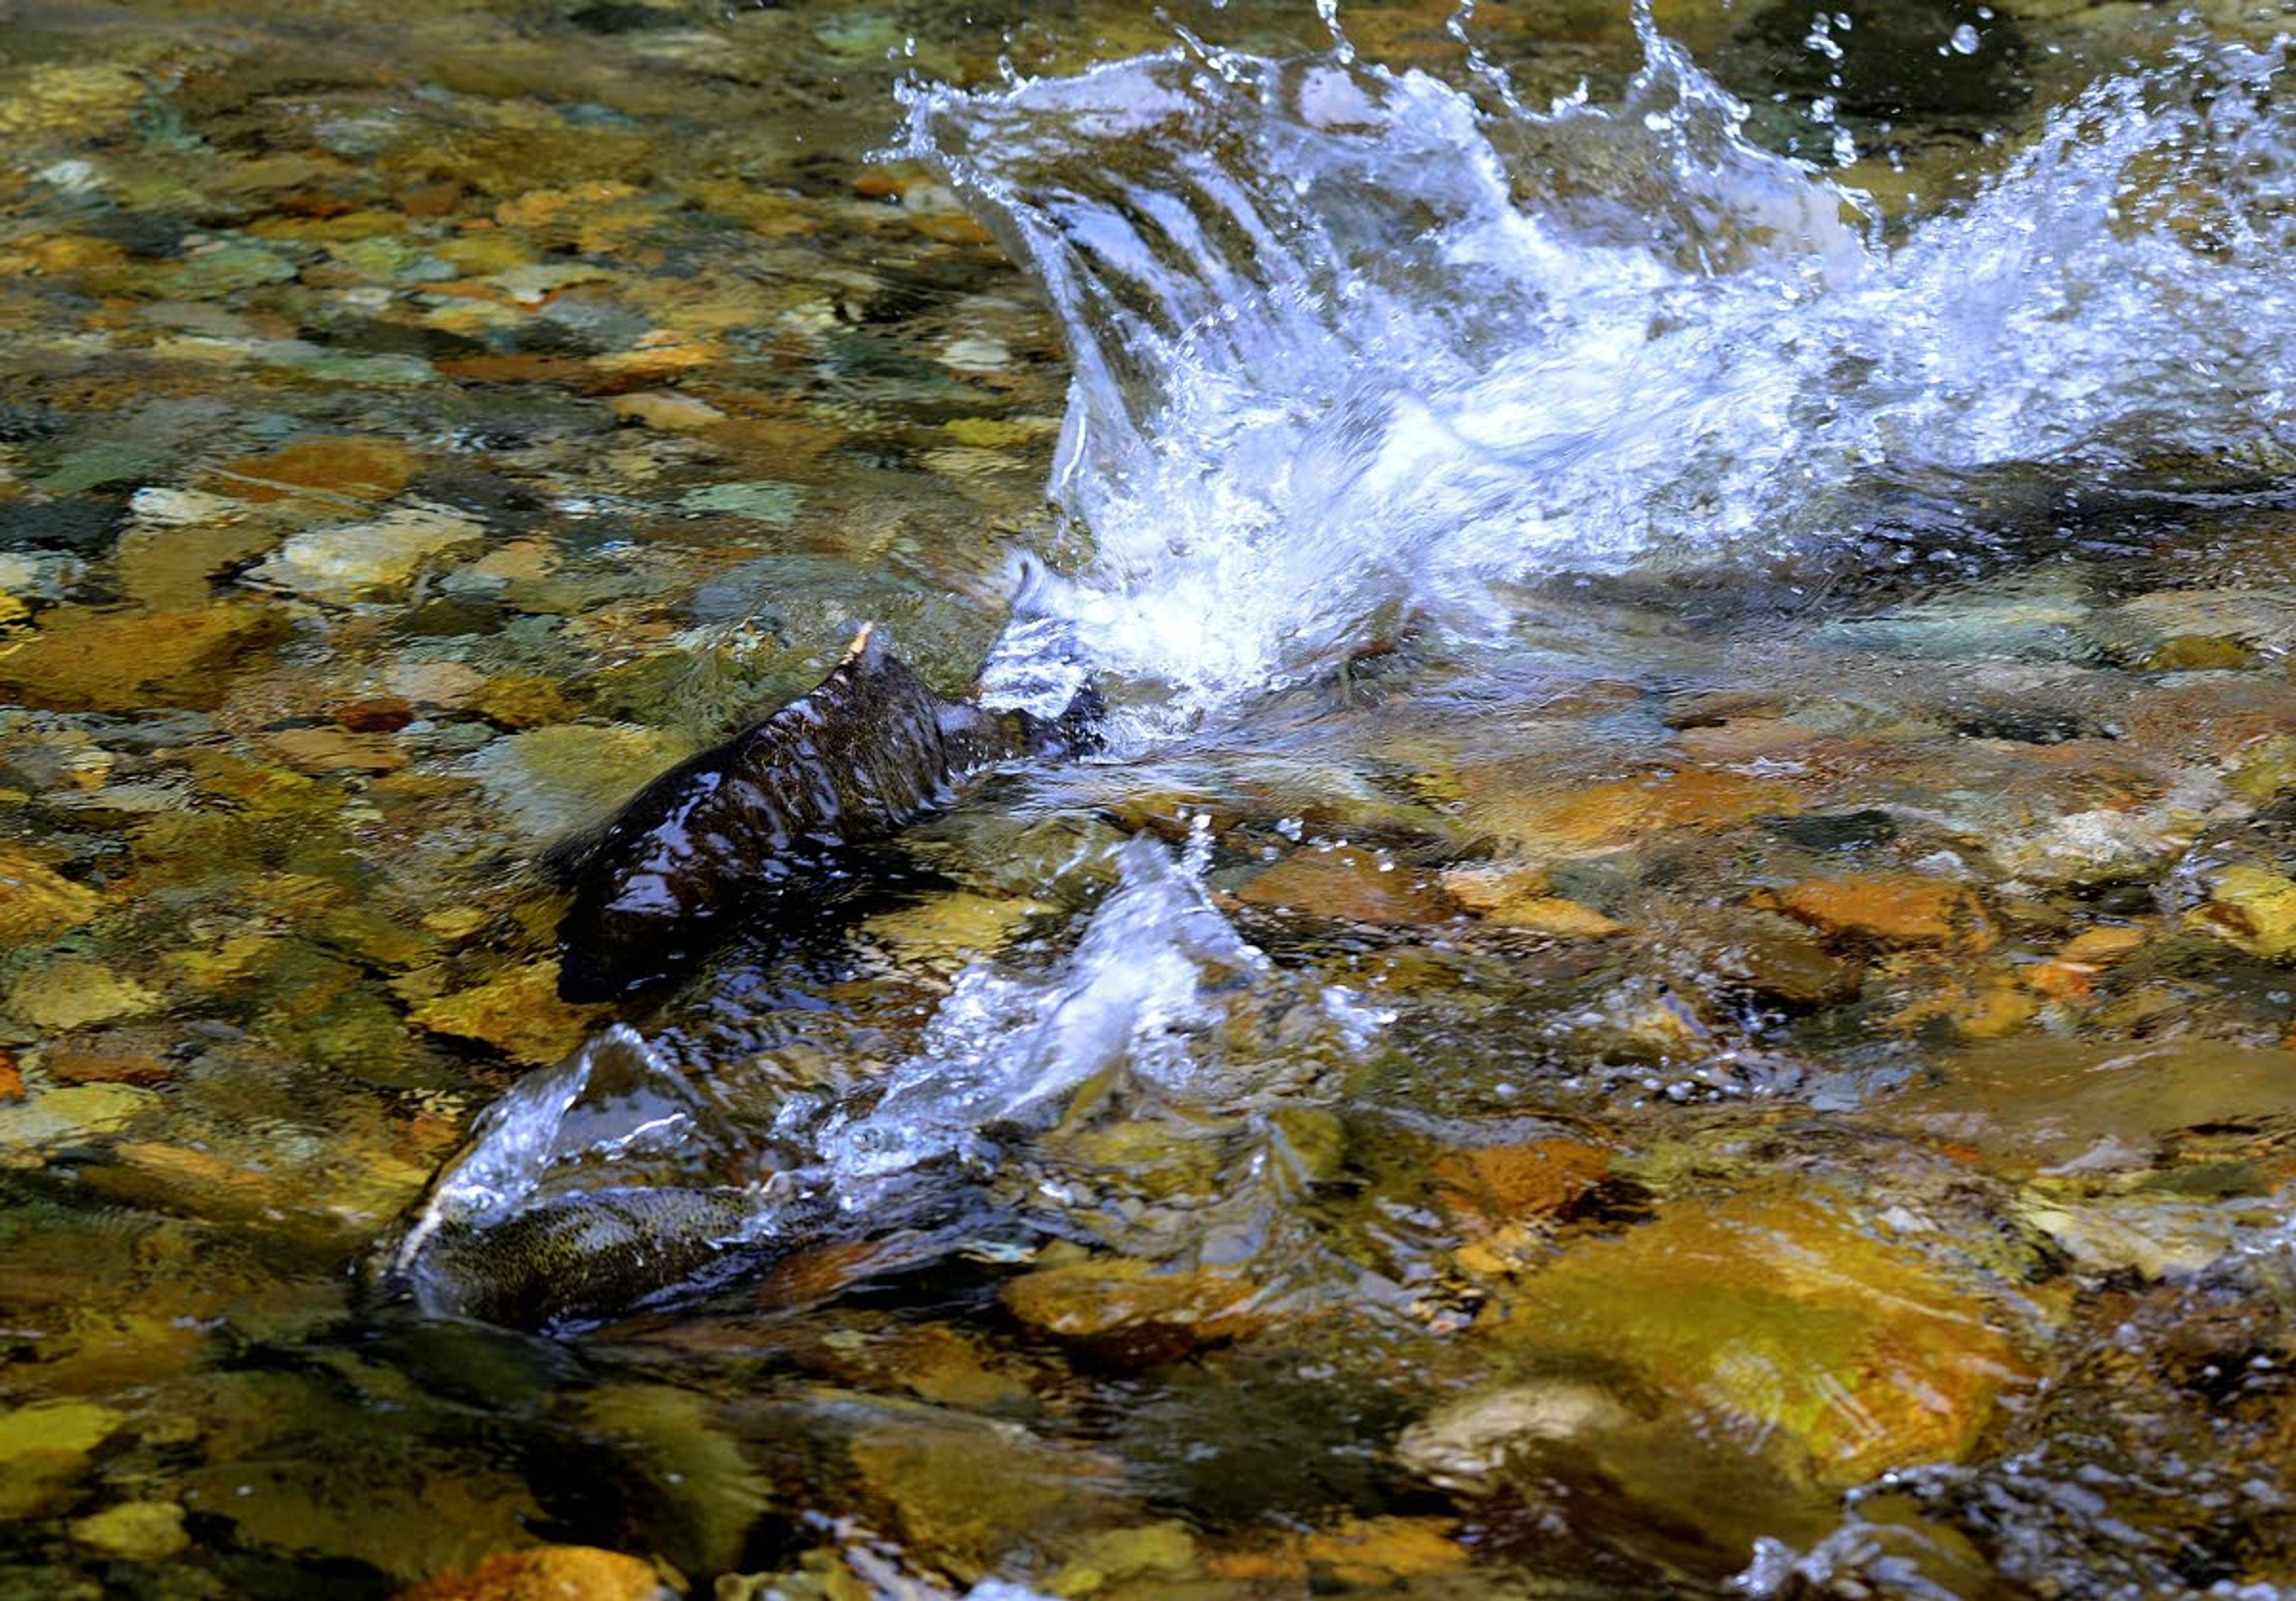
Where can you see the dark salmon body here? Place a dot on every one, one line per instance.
(778, 812)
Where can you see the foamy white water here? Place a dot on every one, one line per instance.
(1138, 1004)
(1137, 1007)
(1349, 348)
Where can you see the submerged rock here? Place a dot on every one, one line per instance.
(548, 1573)
(88, 659)
(1797, 1333)
(772, 819)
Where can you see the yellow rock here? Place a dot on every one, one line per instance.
(84, 659)
(1553, 914)
(1782, 1320)
(167, 565)
(550, 1573)
(954, 928)
(965, 1493)
(36, 900)
(661, 352)
(666, 409)
(933, 1362)
(44, 1448)
(133, 1531)
(2101, 947)
(1164, 1551)
(1997, 1007)
(482, 254)
(520, 701)
(2253, 907)
(74, 1113)
(74, 253)
(995, 433)
(2264, 769)
(71, 993)
(91, 101)
(2199, 653)
(456, 924)
(518, 1012)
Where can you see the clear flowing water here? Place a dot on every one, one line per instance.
(1675, 978)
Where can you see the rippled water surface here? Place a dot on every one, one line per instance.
(1673, 977)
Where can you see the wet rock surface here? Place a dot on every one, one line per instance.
(1766, 1076)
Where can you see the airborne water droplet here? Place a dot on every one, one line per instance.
(1965, 40)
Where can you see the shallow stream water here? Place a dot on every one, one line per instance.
(1674, 979)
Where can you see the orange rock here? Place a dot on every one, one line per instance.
(1383, 1553)
(1106, 1296)
(360, 469)
(12, 1082)
(1278, 1564)
(2068, 974)
(84, 659)
(2062, 981)
(549, 1574)
(105, 1067)
(1894, 908)
(1349, 884)
(374, 714)
(333, 751)
(1554, 915)
(538, 207)
(1485, 1187)
(1610, 816)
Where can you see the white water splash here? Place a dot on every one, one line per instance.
(1136, 1010)
(1139, 1003)
(1347, 348)
(615, 1113)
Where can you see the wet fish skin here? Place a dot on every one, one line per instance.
(771, 819)
(578, 1261)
